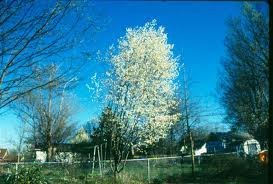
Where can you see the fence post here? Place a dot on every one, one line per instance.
(94, 156)
(149, 176)
(16, 168)
(99, 154)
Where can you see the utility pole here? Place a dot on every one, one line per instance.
(186, 104)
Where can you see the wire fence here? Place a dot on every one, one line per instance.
(144, 170)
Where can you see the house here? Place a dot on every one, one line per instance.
(215, 147)
(216, 142)
(201, 151)
(227, 142)
(211, 147)
(3, 154)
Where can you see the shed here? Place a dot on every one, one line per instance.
(250, 147)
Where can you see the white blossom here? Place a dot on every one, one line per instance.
(81, 137)
(142, 82)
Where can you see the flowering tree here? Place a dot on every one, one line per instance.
(141, 88)
(81, 137)
(144, 70)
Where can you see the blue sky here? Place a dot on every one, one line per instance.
(197, 28)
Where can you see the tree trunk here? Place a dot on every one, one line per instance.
(49, 153)
(188, 125)
(192, 156)
(115, 168)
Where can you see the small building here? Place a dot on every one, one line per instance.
(40, 156)
(65, 152)
(250, 147)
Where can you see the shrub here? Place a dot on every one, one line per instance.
(26, 175)
(230, 167)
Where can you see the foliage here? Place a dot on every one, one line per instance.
(231, 167)
(244, 85)
(104, 133)
(27, 175)
(104, 128)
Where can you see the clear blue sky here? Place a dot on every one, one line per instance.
(197, 28)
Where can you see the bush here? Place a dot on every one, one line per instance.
(26, 175)
(230, 167)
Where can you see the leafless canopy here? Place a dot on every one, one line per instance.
(46, 114)
(34, 35)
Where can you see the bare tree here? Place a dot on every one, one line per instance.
(35, 34)
(190, 115)
(48, 116)
(19, 141)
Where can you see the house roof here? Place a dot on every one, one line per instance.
(3, 153)
(77, 148)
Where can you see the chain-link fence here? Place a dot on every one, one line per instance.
(145, 170)
(142, 170)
